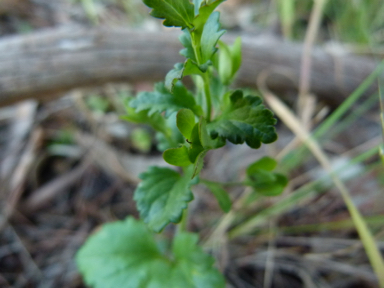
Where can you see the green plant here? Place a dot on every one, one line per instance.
(188, 125)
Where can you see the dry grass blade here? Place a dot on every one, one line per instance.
(294, 124)
(305, 69)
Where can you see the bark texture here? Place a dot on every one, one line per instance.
(45, 64)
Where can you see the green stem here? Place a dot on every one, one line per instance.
(195, 47)
(182, 227)
(222, 183)
(207, 93)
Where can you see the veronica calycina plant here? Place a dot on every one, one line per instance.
(188, 125)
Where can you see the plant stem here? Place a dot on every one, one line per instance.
(207, 93)
(182, 227)
(222, 183)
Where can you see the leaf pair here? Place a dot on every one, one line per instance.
(125, 254)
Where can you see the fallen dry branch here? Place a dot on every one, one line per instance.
(45, 64)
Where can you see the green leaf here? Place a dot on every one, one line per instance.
(206, 141)
(171, 140)
(203, 12)
(210, 36)
(197, 4)
(244, 119)
(162, 196)
(195, 144)
(185, 121)
(236, 55)
(125, 254)
(263, 180)
(174, 75)
(162, 100)
(195, 263)
(199, 163)
(177, 156)
(229, 61)
(178, 13)
(156, 120)
(190, 53)
(179, 71)
(265, 163)
(186, 40)
(220, 194)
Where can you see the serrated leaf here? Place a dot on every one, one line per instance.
(244, 119)
(156, 121)
(185, 121)
(177, 156)
(263, 180)
(221, 195)
(204, 11)
(211, 34)
(162, 196)
(173, 76)
(178, 13)
(162, 100)
(179, 71)
(124, 254)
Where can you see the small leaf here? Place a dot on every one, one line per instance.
(186, 40)
(162, 196)
(124, 254)
(196, 148)
(185, 121)
(171, 140)
(179, 71)
(199, 163)
(173, 76)
(162, 100)
(244, 119)
(204, 11)
(178, 13)
(221, 195)
(197, 4)
(263, 180)
(210, 36)
(156, 120)
(177, 156)
(229, 61)
(236, 55)
(265, 163)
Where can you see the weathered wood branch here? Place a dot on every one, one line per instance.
(44, 64)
